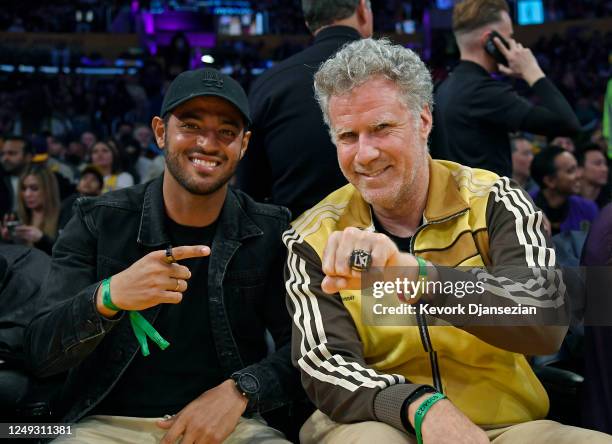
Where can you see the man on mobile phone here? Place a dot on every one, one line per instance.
(474, 112)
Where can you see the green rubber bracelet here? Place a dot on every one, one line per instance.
(106, 296)
(419, 416)
(141, 327)
(422, 275)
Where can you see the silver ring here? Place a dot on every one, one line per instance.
(360, 260)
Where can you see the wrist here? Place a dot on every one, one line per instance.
(412, 408)
(103, 309)
(533, 75)
(238, 395)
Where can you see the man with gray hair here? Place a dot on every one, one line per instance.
(291, 159)
(388, 383)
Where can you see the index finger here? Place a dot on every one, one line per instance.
(184, 252)
(501, 46)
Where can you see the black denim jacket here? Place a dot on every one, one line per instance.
(107, 235)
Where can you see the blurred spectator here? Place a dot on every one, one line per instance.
(57, 154)
(522, 156)
(90, 184)
(597, 392)
(76, 154)
(474, 112)
(593, 171)
(38, 210)
(15, 157)
(105, 156)
(88, 139)
(555, 171)
(291, 159)
(567, 143)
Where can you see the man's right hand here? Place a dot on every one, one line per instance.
(445, 423)
(151, 281)
(521, 61)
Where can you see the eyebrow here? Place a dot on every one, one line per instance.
(198, 113)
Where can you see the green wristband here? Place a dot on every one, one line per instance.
(419, 416)
(106, 296)
(422, 275)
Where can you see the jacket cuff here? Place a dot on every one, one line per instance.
(92, 323)
(270, 391)
(389, 404)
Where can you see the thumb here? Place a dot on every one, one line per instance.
(332, 284)
(165, 423)
(504, 69)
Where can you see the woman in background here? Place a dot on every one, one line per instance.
(105, 156)
(38, 210)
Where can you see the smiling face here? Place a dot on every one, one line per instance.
(203, 141)
(381, 146)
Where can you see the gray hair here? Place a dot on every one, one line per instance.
(361, 60)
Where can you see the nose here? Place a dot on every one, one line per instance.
(366, 150)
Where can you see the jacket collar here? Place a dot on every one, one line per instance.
(335, 32)
(234, 222)
(443, 197)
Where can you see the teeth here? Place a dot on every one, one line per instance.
(204, 162)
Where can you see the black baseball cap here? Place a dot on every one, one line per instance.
(205, 82)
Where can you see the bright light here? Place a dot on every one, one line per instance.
(208, 59)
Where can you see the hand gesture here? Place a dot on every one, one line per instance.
(28, 234)
(151, 281)
(521, 61)
(210, 419)
(338, 273)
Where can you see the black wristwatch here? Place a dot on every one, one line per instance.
(247, 384)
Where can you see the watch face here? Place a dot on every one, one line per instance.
(249, 383)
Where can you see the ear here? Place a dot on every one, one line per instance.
(426, 122)
(549, 181)
(245, 143)
(363, 14)
(159, 130)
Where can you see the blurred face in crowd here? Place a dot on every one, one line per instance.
(203, 142)
(380, 143)
(88, 139)
(521, 158)
(144, 136)
(76, 150)
(564, 142)
(55, 147)
(102, 156)
(595, 168)
(13, 158)
(565, 181)
(33, 195)
(89, 185)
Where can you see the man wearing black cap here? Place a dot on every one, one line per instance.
(119, 284)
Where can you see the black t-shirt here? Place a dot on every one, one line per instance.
(166, 381)
(403, 243)
(555, 216)
(473, 114)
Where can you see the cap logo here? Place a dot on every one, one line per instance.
(212, 79)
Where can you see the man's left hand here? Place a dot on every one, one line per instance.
(209, 419)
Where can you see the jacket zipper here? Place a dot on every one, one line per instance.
(422, 322)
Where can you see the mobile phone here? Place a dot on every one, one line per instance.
(492, 49)
(11, 225)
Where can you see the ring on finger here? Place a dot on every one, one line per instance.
(360, 260)
(169, 257)
(178, 285)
